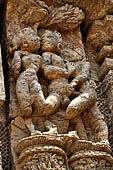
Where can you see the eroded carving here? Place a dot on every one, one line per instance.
(53, 86)
(70, 16)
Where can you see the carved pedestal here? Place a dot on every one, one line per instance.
(41, 152)
(88, 155)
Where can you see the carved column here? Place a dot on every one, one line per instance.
(89, 155)
(41, 152)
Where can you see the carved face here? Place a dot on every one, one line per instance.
(29, 41)
(51, 42)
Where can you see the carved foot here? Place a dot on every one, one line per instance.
(36, 132)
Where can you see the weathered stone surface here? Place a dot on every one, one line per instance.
(73, 48)
(51, 42)
(54, 102)
(2, 88)
(91, 163)
(18, 131)
(86, 154)
(48, 150)
(93, 9)
(94, 71)
(25, 40)
(105, 68)
(105, 52)
(70, 16)
(22, 14)
(59, 120)
(97, 36)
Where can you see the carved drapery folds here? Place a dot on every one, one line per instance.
(56, 122)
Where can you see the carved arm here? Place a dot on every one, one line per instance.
(53, 72)
(82, 76)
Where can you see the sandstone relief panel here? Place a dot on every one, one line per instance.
(55, 112)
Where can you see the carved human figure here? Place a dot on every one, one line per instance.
(26, 40)
(54, 69)
(29, 65)
(59, 89)
(25, 66)
(51, 42)
(87, 99)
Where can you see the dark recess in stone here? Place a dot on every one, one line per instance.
(4, 130)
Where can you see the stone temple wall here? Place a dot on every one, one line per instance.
(56, 85)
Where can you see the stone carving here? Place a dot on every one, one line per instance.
(100, 45)
(97, 37)
(26, 40)
(45, 161)
(93, 11)
(51, 42)
(70, 16)
(36, 12)
(57, 122)
(30, 65)
(50, 155)
(105, 67)
(86, 99)
(90, 155)
(105, 52)
(89, 163)
(26, 82)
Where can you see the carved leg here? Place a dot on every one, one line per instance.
(98, 125)
(79, 127)
(52, 128)
(23, 96)
(48, 106)
(30, 126)
(37, 95)
(79, 105)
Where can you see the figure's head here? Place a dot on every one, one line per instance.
(51, 42)
(32, 60)
(29, 41)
